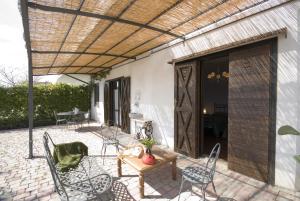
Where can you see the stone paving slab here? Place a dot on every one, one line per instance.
(30, 179)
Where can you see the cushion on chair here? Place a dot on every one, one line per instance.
(69, 155)
(197, 175)
(111, 141)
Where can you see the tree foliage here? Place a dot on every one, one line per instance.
(47, 99)
(101, 75)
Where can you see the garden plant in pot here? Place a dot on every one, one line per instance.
(148, 158)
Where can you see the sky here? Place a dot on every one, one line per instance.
(12, 45)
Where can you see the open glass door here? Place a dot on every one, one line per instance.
(214, 107)
(117, 102)
(112, 107)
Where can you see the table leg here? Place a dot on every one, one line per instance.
(174, 169)
(141, 178)
(119, 167)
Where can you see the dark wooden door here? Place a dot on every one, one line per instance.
(186, 107)
(249, 111)
(107, 102)
(125, 104)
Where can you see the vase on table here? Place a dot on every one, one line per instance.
(148, 158)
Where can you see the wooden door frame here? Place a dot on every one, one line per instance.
(273, 103)
(111, 107)
(273, 98)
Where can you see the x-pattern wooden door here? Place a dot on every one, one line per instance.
(186, 138)
(125, 104)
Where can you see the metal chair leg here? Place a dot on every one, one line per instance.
(102, 150)
(117, 148)
(104, 154)
(203, 192)
(214, 188)
(182, 181)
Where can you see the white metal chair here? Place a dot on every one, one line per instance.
(86, 182)
(111, 139)
(202, 176)
(72, 121)
(58, 119)
(85, 118)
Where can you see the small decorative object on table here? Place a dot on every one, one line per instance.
(132, 151)
(148, 158)
(138, 135)
(148, 129)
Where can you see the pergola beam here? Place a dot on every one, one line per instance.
(24, 12)
(75, 78)
(199, 14)
(67, 34)
(178, 25)
(98, 16)
(37, 75)
(43, 67)
(199, 28)
(156, 17)
(108, 27)
(80, 53)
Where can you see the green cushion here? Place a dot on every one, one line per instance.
(69, 155)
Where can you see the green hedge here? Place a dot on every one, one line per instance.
(47, 98)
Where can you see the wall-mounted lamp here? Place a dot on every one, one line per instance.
(218, 76)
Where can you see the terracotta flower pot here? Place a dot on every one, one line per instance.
(148, 158)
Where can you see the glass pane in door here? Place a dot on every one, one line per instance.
(116, 106)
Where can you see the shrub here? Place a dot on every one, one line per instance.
(47, 98)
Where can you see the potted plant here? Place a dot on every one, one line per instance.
(148, 158)
(101, 75)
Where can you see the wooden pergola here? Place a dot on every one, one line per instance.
(90, 36)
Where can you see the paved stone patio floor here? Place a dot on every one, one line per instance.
(30, 179)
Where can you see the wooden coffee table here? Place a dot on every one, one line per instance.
(162, 157)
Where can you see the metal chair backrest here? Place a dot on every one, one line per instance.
(212, 160)
(57, 183)
(113, 128)
(55, 115)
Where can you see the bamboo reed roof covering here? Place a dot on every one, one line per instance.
(88, 36)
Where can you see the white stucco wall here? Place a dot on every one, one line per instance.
(97, 109)
(153, 78)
